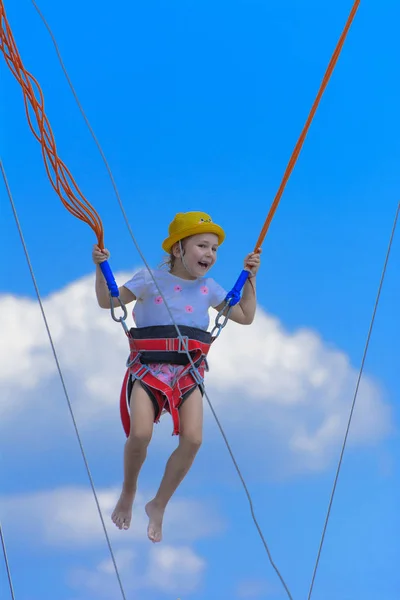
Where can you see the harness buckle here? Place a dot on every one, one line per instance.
(130, 363)
(140, 373)
(196, 376)
(183, 346)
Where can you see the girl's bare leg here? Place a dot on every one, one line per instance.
(179, 463)
(142, 419)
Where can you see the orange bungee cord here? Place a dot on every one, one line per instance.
(59, 175)
(300, 142)
(233, 297)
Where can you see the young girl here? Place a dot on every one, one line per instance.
(192, 247)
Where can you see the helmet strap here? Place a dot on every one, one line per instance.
(183, 260)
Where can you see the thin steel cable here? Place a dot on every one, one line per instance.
(25, 248)
(260, 533)
(3, 545)
(354, 401)
(162, 295)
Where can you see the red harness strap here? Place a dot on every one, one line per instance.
(167, 397)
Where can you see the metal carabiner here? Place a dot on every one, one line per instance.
(123, 317)
(219, 326)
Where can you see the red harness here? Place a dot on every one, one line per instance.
(167, 397)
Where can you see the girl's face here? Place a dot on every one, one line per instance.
(200, 254)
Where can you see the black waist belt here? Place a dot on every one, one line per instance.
(168, 331)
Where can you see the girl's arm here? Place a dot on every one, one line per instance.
(102, 292)
(245, 310)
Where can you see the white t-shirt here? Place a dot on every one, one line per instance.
(189, 300)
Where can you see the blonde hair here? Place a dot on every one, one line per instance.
(169, 260)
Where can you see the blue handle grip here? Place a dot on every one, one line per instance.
(233, 296)
(109, 277)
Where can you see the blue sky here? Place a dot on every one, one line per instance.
(198, 107)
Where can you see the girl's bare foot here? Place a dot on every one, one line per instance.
(122, 514)
(155, 514)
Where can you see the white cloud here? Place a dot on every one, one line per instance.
(297, 393)
(68, 518)
(167, 569)
(101, 581)
(124, 560)
(175, 569)
(294, 389)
